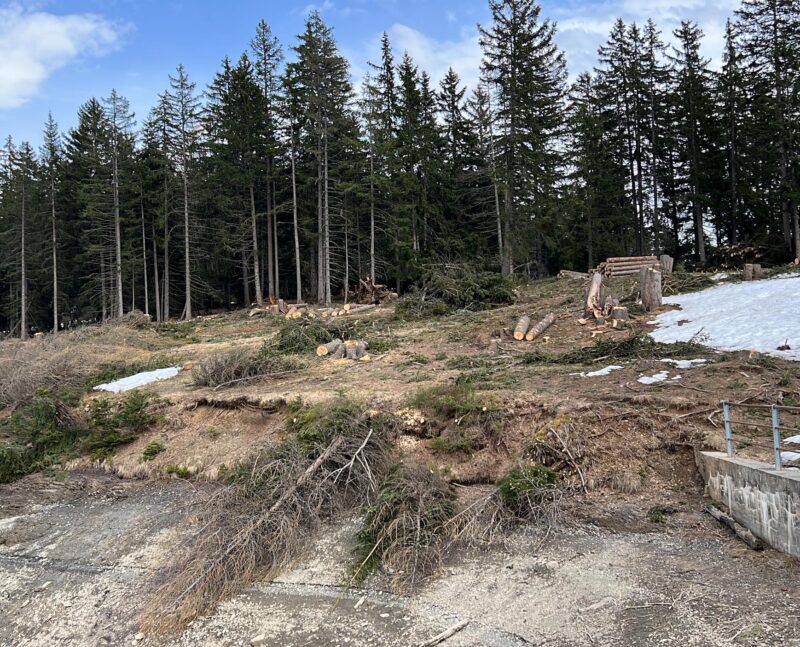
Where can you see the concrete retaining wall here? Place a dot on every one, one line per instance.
(758, 497)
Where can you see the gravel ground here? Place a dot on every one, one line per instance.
(75, 557)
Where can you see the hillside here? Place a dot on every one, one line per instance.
(467, 407)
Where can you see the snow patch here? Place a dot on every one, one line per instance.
(684, 363)
(754, 315)
(140, 379)
(653, 379)
(600, 372)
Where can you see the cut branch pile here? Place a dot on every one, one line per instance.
(256, 525)
(373, 293)
(627, 265)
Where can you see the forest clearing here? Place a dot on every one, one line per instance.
(386, 323)
(609, 543)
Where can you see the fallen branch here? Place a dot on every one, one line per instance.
(740, 531)
(447, 633)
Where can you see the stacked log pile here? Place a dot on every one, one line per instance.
(627, 265)
(354, 349)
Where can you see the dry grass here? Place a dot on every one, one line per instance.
(252, 527)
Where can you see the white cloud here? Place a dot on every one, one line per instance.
(431, 55)
(584, 26)
(35, 44)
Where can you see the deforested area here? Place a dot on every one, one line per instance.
(420, 342)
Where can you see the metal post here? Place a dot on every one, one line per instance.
(776, 435)
(726, 417)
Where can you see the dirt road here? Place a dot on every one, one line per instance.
(76, 554)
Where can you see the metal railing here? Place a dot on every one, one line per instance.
(775, 425)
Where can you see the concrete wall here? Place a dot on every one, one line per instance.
(761, 499)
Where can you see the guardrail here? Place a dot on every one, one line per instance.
(775, 425)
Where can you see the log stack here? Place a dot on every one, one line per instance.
(627, 265)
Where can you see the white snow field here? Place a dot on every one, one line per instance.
(140, 379)
(756, 315)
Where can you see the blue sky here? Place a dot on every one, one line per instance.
(54, 54)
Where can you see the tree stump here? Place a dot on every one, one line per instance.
(522, 327)
(667, 263)
(593, 306)
(650, 288)
(620, 313)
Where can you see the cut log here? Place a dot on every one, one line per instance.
(758, 272)
(539, 328)
(358, 309)
(522, 327)
(329, 348)
(667, 263)
(748, 272)
(569, 274)
(339, 353)
(355, 349)
(593, 306)
(623, 259)
(740, 531)
(650, 289)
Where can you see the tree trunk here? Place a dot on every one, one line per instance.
(165, 309)
(155, 276)
(346, 260)
(144, 266)
(327, 232)
(54, 240)
(297, 275)
(256, 260)
(371, 215)
(117, 238)
(187, 309)
(245, 278)
(270, 247)
(23, 319)
(593, 306)
(276, 256)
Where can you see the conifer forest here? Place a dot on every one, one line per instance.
(283, 178)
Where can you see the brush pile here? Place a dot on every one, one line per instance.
(260, 520)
